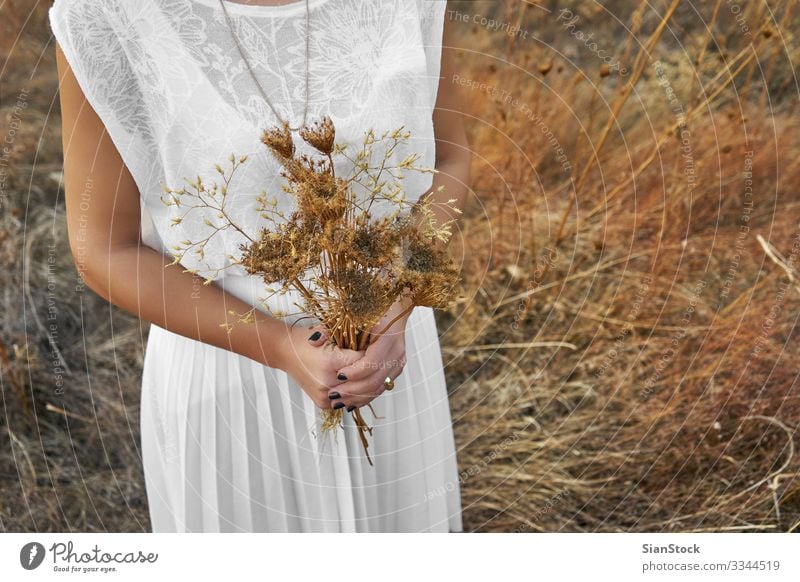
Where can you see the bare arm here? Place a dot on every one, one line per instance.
(104, 229)
(103, 222)
(453, 153)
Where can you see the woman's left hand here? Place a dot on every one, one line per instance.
(385, 356)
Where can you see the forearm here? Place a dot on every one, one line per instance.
(137, 279)
(454, 175)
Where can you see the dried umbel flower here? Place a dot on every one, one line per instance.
(281, 256)
(321, 197)
(363, 293)
(428, 273)
(373, 244)
(349, 266)
(321, 135)
(279, 141)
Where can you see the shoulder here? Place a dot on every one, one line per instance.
(83, 15)
(66, 9)
(89, 27)
(88, 33)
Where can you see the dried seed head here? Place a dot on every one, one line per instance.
(363, 296)
(427, 271)
(321, 135)
(279, 141)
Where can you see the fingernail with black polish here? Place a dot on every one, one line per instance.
(351, 408)
(315, 336)
(341, 377)
(338, 405)
(334, 395)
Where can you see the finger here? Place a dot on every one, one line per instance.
(320, 397)
(396, 366)
(374, 368)
(358, 393)
(336, 382)
(350, 399)
(374, 359)
(362, 392)
(344, 358)
(324, 405)
(359, 370)
(392, 370)
(318, 335)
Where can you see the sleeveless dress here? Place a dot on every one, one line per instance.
(228, 444)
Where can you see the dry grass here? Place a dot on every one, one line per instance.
(627, 359)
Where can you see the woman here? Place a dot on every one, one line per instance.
(156, 90)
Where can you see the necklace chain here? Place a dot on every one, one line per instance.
(253, 75)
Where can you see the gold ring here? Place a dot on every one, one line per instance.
(388, 383)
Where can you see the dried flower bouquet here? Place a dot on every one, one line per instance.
(349, 263)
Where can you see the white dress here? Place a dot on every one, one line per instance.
(227, 443)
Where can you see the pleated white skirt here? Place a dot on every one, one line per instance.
(230, 445)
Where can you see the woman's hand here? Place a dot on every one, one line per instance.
(363, 380)
(314, 363)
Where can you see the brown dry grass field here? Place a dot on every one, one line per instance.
(626, 355)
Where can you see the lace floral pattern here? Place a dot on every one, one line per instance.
(166, 79)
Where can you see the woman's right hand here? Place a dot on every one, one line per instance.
(313, 362)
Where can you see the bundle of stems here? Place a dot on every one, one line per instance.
(351, 246)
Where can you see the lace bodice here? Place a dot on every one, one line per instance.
(167, 80)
